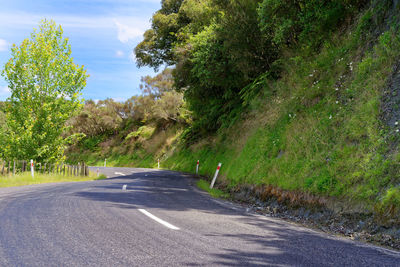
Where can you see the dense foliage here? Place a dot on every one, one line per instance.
(158, 104)
(223, 49)
(315, 84)
(45, 86)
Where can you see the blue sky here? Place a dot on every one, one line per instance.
(102, 35)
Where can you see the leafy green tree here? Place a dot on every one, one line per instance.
(172, 25)
(217, 49)
(171, 107)
(45, 88)
(3, 124)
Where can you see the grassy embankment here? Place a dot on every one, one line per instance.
(139, 148)
(317, 130)
(214, 192)
(40, 178)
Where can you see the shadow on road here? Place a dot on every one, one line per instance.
(267, 241)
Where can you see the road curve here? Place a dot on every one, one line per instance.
(159, 220)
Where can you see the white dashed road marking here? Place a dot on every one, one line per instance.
(166, 224)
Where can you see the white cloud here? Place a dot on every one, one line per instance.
(4, 91)
(119, 53)
(127, 32)
(3, 45)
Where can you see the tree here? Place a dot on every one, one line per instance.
(217, 49)
(45, 87)
(157, 85)
(172, 25)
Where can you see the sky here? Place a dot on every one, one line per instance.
(102, 35)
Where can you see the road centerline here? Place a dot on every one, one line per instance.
(166, 224)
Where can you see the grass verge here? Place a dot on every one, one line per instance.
(26, 179)
(216, 193)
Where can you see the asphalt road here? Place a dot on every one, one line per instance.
(160, 220)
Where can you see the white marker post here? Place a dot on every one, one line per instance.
(215, 176)
(105, 162)
(197, 167)
(158, 163)
(32, 170)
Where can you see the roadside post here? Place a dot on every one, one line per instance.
(105, 162)
(158, 163)
(197, 167)
(32, 169)
(215, 176)
(97, 172)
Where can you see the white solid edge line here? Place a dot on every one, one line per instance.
(119, 173)
(166, 224)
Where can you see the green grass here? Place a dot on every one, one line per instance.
(26, 179)
(320, 131)
(216, 193)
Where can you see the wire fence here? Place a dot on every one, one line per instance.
(20, 166)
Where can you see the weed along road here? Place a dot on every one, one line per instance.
(144, 217)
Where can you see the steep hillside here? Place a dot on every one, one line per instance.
(329, 126)
(319, 130)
